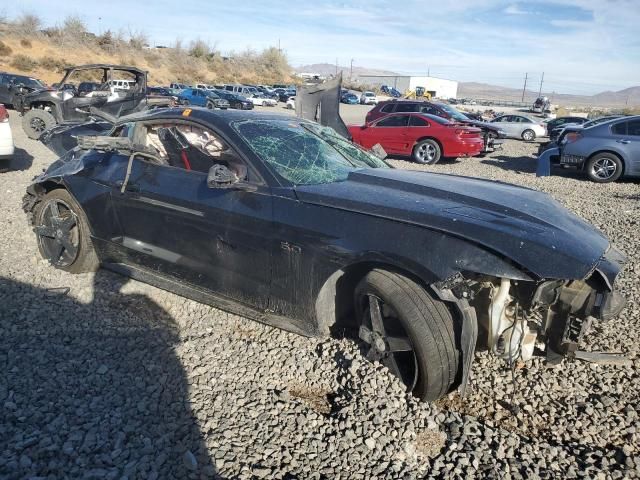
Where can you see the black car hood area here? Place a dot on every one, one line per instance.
(523, 225)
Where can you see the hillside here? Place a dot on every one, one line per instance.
(627, 97)
(327, 69)
(44, 53)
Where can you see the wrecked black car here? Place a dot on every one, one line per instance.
(284, 221)
(13, 86)
(117, 90)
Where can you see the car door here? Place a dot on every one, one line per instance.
(418, 127)
(215, 238)
(509, 125)
(390, 132)
(627, 137)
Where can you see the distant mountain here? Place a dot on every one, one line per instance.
(326, 69)
(628, 97)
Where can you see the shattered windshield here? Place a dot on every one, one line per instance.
(301, 155)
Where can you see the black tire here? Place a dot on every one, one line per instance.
(72, 224)
(604, 167)
(528, 135)
(426, 152)
(185, 102)
(264, 104)
(36, 121)
(210, 105)
(408, 311)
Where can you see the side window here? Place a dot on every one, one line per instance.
(620, 128)
(428, 109)
(633, 128)
(190, 147)
(406, 107)
(418, 121)
(394, 121)
(388, 108)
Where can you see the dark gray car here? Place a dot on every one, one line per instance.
(605, 152)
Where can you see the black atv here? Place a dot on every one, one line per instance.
(121, 90)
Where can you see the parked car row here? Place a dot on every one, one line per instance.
(605, 149)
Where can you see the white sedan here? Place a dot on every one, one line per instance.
(520, 126)
(263, 102)
(6, 138)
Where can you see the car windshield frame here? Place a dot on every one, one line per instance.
(25, 81)
(317, 155)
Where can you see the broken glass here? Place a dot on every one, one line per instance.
(297, 153)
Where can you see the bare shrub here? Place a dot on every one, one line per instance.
(28, 24)
(199, 49)
(26, 43)
(5, 50)
(24, 63)
(73, 26)
(52, 64)
(138, 40)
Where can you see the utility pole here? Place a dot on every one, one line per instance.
(541, 80)
(336, 67)
(524, 89)
(351, 70)
(428, 71)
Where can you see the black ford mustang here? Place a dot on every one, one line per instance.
(284, 221)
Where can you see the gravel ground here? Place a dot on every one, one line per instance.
(117, 379)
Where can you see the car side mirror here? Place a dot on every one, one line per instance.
(220, 176)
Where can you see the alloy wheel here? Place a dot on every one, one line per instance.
(604, 168)
(58, 233)
(387, 341)
(426, 152)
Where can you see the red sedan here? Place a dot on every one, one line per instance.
(426, 138)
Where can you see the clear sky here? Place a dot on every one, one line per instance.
(583, 46)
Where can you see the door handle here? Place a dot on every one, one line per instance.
(131, 187)
(624, 141)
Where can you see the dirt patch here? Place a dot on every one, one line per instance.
(429, 443)
(316, 398)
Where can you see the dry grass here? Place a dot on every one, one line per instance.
(430, 443)
(316, 398)
(71, 44)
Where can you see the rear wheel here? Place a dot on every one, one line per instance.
(528, 135)
(426, 152)
(604, 168)
(62, 232)
(185, 102)
(408, 331)
(36, 121)
(209, 105)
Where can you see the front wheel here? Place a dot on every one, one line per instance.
(62, 233)
(185, 102)
(408, 331)
(604, 168)
(37, 121)
(426, 152)
(528, 135)
(209, 105)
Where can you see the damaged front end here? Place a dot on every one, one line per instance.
(517, 319)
